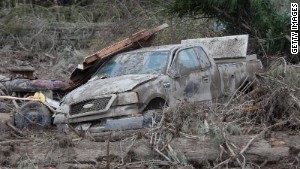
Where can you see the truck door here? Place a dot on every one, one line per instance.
(208, 64)
(192, 82)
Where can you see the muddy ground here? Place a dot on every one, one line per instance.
(51, 149)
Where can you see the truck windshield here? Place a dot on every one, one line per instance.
(152, 62)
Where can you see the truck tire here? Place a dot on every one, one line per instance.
(151, 116)
(33, 114)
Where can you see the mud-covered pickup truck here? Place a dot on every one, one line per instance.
(133, 84)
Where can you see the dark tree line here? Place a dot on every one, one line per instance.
(261, 19)
(45, 3)
(266, 24)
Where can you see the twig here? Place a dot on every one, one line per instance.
(244, 161)
(15, 135)
(295, 99)
(173, 153)
(107, 152)
(248, 144)
(222, 163)
(246, 87)
(231, 151)
(122, 158)
(21, 45)
(14, 128)
(15, 104)
(222, 150)
(159, 162)
(236, 91)
(162, 154)
(262, 47)
(2, 92)
(76, 139)
(264, 163)
(285, 66)
(74, 130)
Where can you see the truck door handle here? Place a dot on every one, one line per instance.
(205, 79)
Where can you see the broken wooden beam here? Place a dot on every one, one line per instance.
(91, 63)
(139, 36)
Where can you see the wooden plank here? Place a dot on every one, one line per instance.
(91, 63)
(142, 35)
(105, 52)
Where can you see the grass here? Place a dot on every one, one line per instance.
(27, 164)
(36, 32)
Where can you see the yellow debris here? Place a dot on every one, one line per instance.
(40, 96)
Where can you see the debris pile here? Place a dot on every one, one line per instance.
(275, 100)
(255, 129)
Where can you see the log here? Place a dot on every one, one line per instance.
(277, 147)
(12, 142)
(117, 135)
(87, 151)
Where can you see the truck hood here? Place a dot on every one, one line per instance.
(98, 87)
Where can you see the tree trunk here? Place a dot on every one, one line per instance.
(278, 146)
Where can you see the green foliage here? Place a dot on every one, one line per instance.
(259, 18)
(233, 129)
(279, 71)
(48, 3)
(216, 136)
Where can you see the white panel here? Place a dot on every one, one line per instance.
(220, 47)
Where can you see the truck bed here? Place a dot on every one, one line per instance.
(233, 72)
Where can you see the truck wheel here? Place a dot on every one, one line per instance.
(33, 114)
(151, 116)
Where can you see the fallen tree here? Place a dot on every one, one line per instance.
(245, 148)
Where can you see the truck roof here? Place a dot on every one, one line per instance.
(156, 48)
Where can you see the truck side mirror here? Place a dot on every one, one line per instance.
(173, 73)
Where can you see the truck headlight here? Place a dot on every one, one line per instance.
(127, 98)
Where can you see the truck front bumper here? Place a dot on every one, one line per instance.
(127, 123)
(115, 118)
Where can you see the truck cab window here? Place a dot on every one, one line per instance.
(148, 62)
(186, 61)
(204, 61)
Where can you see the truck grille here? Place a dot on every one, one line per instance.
(97, 105)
